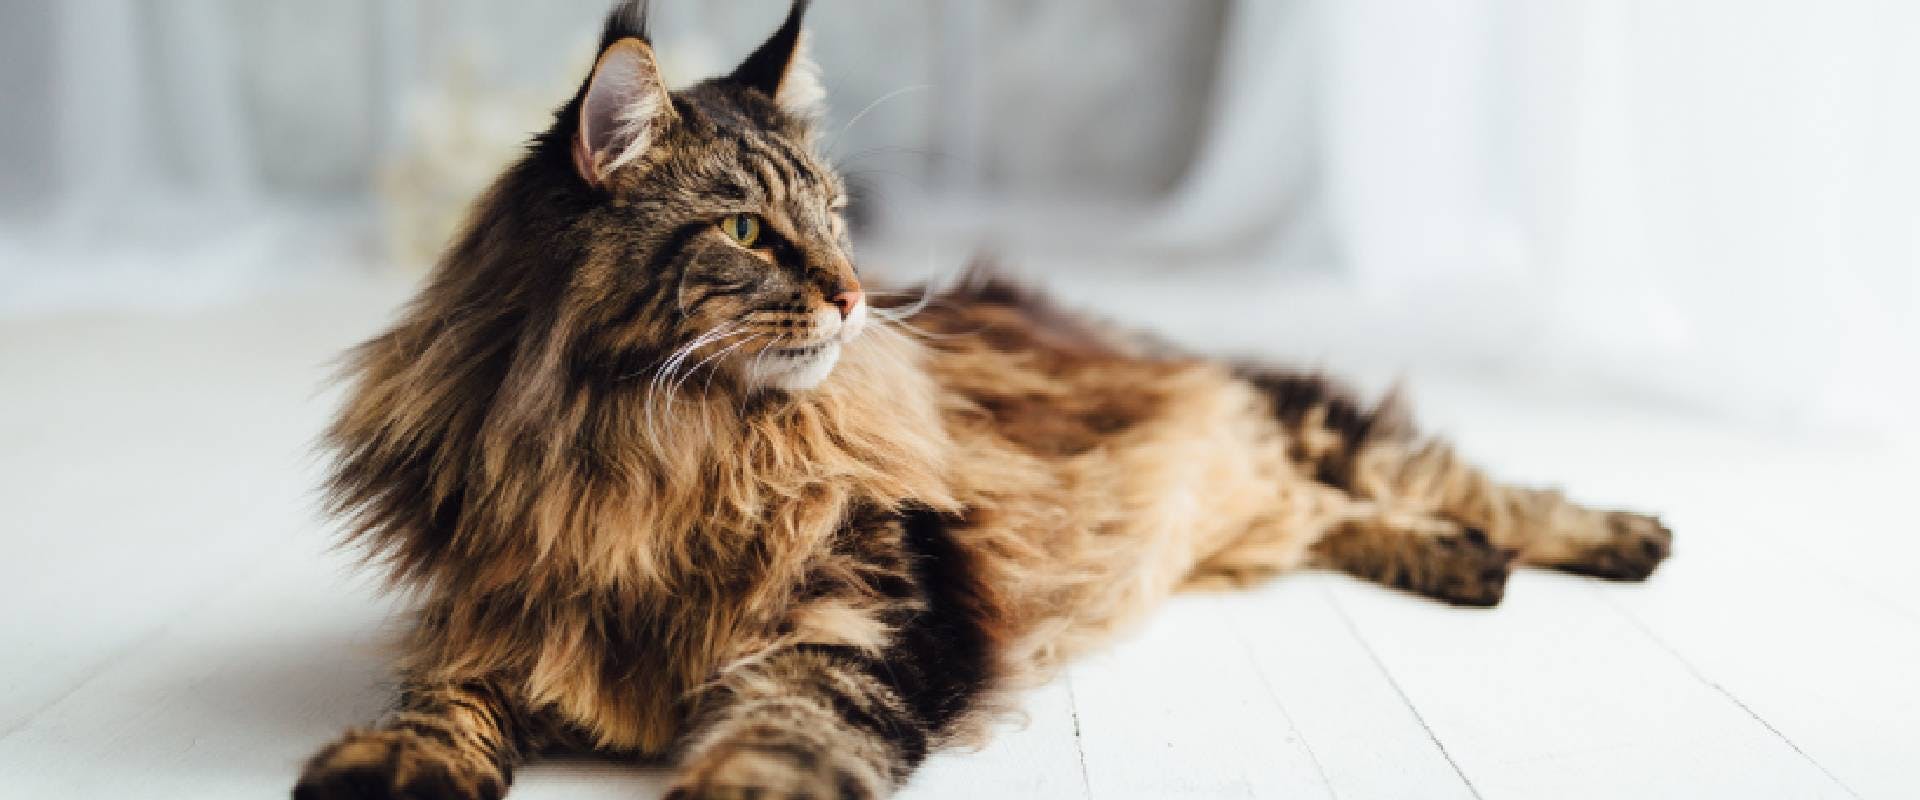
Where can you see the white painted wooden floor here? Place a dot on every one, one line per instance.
(173, 627)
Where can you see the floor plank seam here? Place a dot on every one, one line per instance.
(1381, 665)
(1079, 745)
(117, 655)
(105, 663)
(1261, 675)
(1639, 625)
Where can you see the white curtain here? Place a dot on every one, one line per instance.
(1715, 201)
(151, 168)
(1711, 200)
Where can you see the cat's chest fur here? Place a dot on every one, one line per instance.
(708, 545)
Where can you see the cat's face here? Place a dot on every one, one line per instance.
(719, 231)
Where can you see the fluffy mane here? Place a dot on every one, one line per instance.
(521, 494)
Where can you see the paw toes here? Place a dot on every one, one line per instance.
(1638, 545)
(389, 766)
(339, 785)
(1485, 592)
(1470, 570)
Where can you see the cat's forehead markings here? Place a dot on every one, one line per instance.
(776, 185)
(731, 190)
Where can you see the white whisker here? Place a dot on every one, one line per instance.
(715, 372)
(897, 326)
(931, 292)
(674, 392)
(838, 137)
(753, 370)
(670, 365)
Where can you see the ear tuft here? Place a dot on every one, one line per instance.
(624, 111)
(631, 19)
(803, 90)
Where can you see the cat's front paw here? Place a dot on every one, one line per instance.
(392, 765)
(1635, 546)
(1468, 569)
(763, 771)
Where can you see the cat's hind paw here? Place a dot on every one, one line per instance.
(1465, 569)
(1635, 546)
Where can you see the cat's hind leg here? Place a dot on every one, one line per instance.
(1427, 555)
(1542, 525)
(1375, 453)
(1325, 527)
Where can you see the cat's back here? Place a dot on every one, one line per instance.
(1053, 381)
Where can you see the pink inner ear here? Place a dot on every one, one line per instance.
(625, 91)
(616, 85)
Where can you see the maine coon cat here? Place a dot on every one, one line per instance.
(668, 484)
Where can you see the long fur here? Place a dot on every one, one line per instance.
(620, 544)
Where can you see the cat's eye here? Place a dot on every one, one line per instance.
(743, 229)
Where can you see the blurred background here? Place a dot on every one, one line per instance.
(1712, 205)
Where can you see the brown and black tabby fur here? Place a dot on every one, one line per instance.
(627, 536)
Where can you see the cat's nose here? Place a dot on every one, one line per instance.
(847, 301)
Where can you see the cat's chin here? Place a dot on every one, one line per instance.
(797, 374)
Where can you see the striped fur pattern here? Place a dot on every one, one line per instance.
(624, 539)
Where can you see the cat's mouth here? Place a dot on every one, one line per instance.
(793, 368)
(800, 353)
(801, 366)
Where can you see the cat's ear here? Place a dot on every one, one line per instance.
(784, 70)
(625, 109)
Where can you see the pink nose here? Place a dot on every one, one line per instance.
(847, 302)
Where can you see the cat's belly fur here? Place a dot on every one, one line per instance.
(1131, 475)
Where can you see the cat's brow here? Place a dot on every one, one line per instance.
(770, 153)
(795, 162)
(731, 191)
(770, 176)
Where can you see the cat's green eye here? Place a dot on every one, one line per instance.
(743, 229)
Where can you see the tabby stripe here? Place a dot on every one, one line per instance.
(484, 710)
(391, 765)
(787, 159)
(799, 754)
(770, 175)
(455, 737)
(743, 288)
(743, 152)
(671, 257)
(644, 303)
(768, 167)
(794, 160)
(427, 729)
(892, 724)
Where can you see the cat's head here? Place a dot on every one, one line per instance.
(685, 231)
